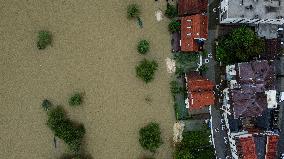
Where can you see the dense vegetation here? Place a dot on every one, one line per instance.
(195, 145)
(171, 11)
(174, 26)
(76, 99)
(150, 137)
(185, 62)
(70, 132)
(133, 11)
(146, 70)
(143, 46)
(44, 39)
(241, 45)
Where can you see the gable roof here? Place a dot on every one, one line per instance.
(254, 80)
(271, 146)
(192, 28)
(200, 91)
(188, 7)
(248, 148)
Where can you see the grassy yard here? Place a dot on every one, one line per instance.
(93, 50)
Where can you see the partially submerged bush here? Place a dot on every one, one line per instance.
(44, 39)
(65, 129)
(146, 70)
(175, 88)
(174, 26)
(143, 46)
(133, 11)
(150, 137)
(46, 104)
(171, 11)
(76, 99)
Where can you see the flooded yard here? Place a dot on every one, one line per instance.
(93, 51)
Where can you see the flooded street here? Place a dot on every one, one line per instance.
(93, 51)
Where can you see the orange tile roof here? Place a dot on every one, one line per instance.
(271, 146)
(187, 7)
(200, 99)
(248, 148)
(192, 28)
(200, 91)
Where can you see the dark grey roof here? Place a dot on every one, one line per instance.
(260, 143)
(248, 103)
(176, 37)
(280, 84)
(254, 78)
(280, 66)
(235, 124)
(263, 121)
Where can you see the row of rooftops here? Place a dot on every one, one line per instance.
(257, 146)
(250, 103)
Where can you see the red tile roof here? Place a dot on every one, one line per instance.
(271, 146)
(192, 28)
(248, 148)
(188, 7)
(200, 91)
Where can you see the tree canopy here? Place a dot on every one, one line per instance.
(146, 70)
(195, 145)
(241, 45)
(150, 137)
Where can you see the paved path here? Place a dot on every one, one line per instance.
(281, 140)
(213, 75)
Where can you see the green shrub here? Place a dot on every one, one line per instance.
(76, 99)
(175, 88)
(143, 46)
(44, 39)
(204, 53)
(195, 144)
(146, 70)
(174, 26)
(150, 137)
(203, 69)
(133, 11)
(46, 104)
(65, 129)
(171, 11)
(183, 154)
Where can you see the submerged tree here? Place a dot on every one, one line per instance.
(143, 46)
(150, 137)
(171, 11)
(133, 11)
(146, 70)
(44, 39)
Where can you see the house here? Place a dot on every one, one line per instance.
(252, 12)
(247, 147)
(200, 91)
(194, 30)
(249, 106)
(190, 7)
(252, 89)
(256, 146)
(271, 146)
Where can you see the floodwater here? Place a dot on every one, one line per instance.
(93, 51)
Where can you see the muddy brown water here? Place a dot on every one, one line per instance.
(93, 51)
